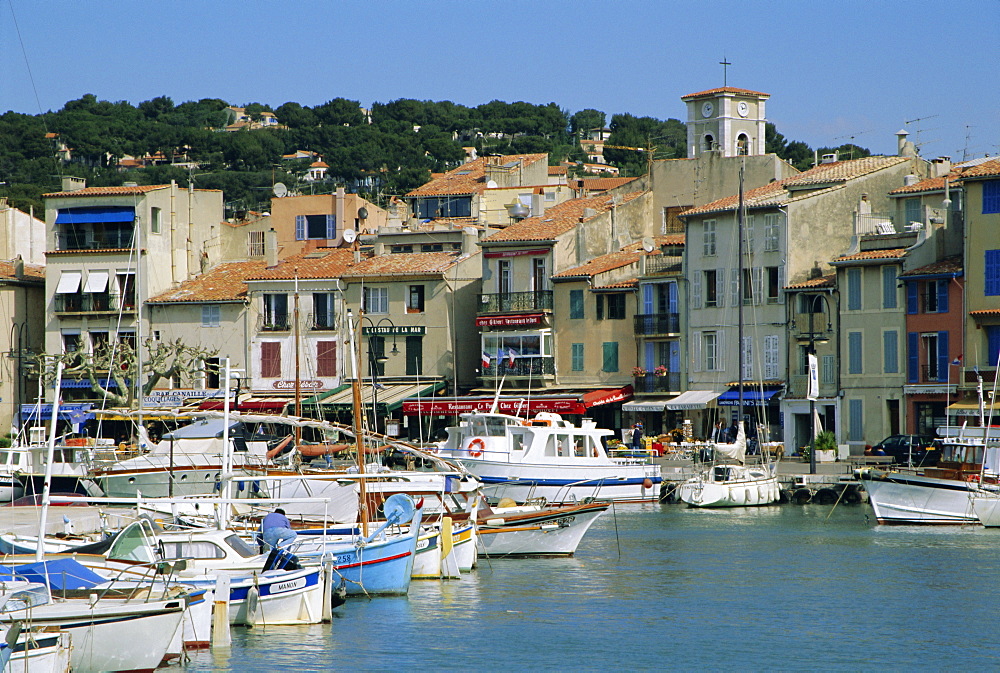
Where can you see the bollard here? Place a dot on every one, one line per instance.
(221, 636)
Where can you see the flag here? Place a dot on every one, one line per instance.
(486, 360)
(957, 361)
(510, 356)
(813, 391)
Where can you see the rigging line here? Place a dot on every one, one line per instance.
(27, 65)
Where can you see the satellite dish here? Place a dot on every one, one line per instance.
(350, 235)
(648, 244)
(280, 189)
(491, 184)
(362, 213)
(400, 507)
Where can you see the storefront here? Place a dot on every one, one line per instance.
(761, 411)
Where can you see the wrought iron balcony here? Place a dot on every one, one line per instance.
(657, 323)
(95, 240)
(929, 374)
(523, 366)
(93, 303)
(504, 302)
(653, 383)
(274, 323)
(321, 321)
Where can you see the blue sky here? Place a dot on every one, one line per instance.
(834, 70)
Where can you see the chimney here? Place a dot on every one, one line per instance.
(18, 267)
(904, 148)
(71, 184)
(910, 180)
(940, 167)
(537, 205)
(271, 248)
(470, 236)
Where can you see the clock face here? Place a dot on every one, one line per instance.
(742, 108)
(706, 110)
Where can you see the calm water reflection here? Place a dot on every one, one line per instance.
(668, 587)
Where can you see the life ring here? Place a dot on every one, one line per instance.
(972, 477)
(476, 447)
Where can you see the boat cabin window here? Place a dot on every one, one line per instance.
(489, 426)
(517, 441)
(720, 473)
(24, 599)
(580, 446)
(241, 547)
(192, 549)
(962, 453)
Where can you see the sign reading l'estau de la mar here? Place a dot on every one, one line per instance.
(395, 330)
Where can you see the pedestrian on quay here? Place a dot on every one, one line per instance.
(734, 431)
(277, 529)
(637, 437)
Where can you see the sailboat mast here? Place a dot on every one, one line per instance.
(740, 215)
(358, 411)
(298, 383)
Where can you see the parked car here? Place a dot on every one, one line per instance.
(912, 450)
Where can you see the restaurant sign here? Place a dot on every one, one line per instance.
(510, 320)
(395, 330)
(303, 385)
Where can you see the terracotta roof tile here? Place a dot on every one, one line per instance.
(820, 281)
(983, 170)
(557, 220)
(404, 264)
(928, 185)
(31, 271)
(225, 282)
(558, 170)
(891, 253)
(725, 89)
(782, 191)
(603, 184)
(122, 190)
(986, 312)
(469, 178)
(620, 285)
(946, 265)
(318, 263)
(614, 260)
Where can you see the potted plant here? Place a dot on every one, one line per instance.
(661, 370)
(825, 446)
(638, 371)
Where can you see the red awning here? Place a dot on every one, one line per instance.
(572, 403)
(248, 404)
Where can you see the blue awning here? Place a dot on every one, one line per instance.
(731, 398)
(91, 214)
(85, 383)
(74, 413)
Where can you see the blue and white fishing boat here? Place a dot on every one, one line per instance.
(547, 457)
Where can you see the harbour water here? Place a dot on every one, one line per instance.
(666, 587)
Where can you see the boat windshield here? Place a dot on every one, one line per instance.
(132, 544)
(241, 547)
(36, 594)
(489, 426)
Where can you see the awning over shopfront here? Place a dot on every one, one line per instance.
(731, 398)
(95, 214)
(74, 413)
(966, 409)
(645, 405)
(85, 383)
(568, 403)
(692, 399)
(247, 403)
(391, 396)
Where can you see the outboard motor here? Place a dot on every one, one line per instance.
(281, 559)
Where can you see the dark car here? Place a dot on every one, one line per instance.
(913, 450)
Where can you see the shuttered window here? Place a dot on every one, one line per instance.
(992, 273)
(856, 419)
(991, 197)
(890, 352)
(577, 357)
(270, 359)
(326, 358)
(854, 354)
(610, 356)
(889, 287)
(854, 289)
(576, 304)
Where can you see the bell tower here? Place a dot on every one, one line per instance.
(726, 121)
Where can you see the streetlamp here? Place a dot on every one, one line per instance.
(812, 367)
(376, 356)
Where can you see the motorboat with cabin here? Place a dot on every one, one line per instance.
(547, 457)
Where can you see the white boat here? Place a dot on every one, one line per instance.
(35, 651)
(948, 493)
(10, 487)
(547, 457)
(731, 484)
(108, 634)
(186, 461)
(535, 530)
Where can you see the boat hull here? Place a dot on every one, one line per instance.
(276, 597)
(382, 566)
(987, 508)
(38, 653)
(915, 499)
(750, 492)
(552, 532)
(567, 485)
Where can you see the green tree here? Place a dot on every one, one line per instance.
(584, 120)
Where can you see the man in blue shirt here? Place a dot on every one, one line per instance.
(277, 529)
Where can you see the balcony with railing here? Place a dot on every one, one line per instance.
(651, 382)
(929, 374)
(93, 303)
(320, 321)
(95, 238)
(523, 366)
(513, 302)
(651, 324)
(278, 322)
(653, 264)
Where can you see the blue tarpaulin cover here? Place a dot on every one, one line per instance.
(62, 574)
(92, 214)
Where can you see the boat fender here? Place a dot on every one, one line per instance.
(801, 496)
(647, 483)
(825, 496)
(494, 522)
(972, 477)
(476, 447)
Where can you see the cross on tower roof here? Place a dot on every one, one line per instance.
(725, 65)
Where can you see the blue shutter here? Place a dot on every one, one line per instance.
(992, 273)
(650, 356)
(647, 299)
(674, 353)
(854, 289)
(942, 293)
(889, 287)
(912, 356)
(300, 227)
(331, 226)
(854, 357)
(991, 197)
(911, 298)
(672, 297)
(993, 344)
(856, 427)
(890, 352)
(943, 359)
